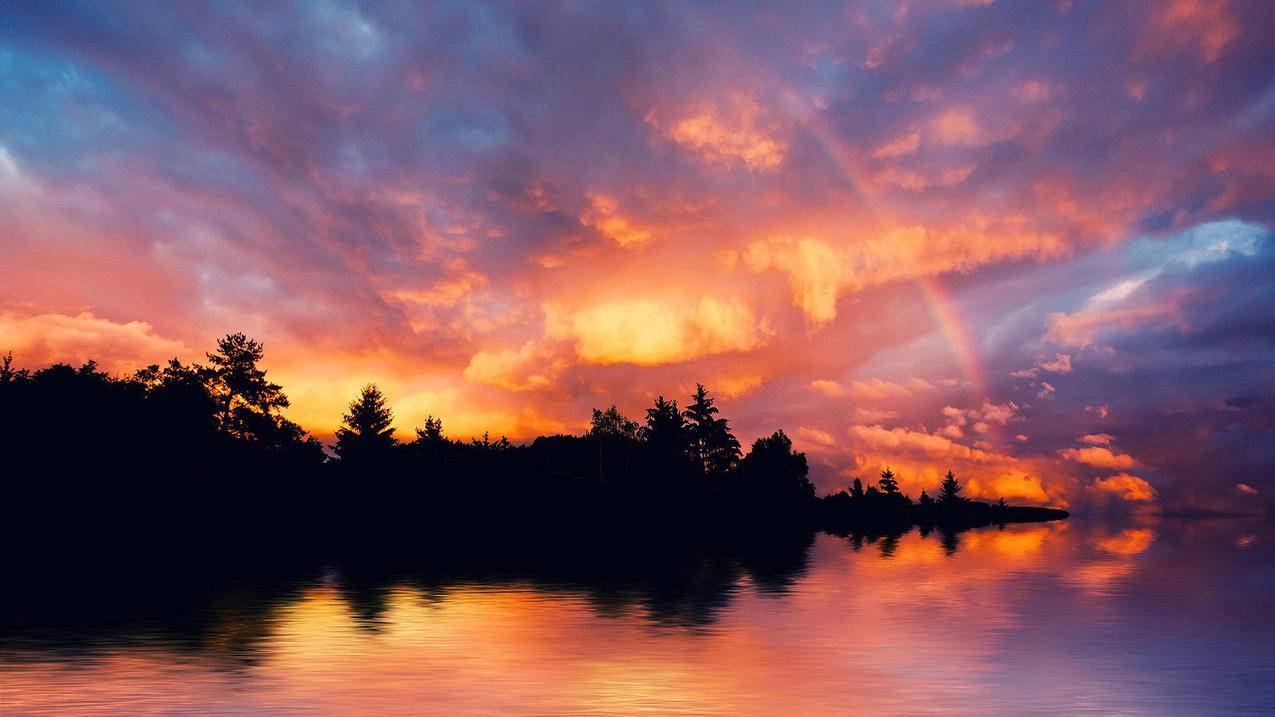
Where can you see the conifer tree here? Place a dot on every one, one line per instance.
(667, 441)
(367, 431)
(431, 433)
(856, 489)
(889, 485)
(949, 489)
(713, 448)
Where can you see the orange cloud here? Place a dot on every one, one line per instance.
(1098, 456)
(831, 389)
(734, 134)
(523, 369)
(649, 332)
(879, 438)
(45, 338)
(604, 217)
(736, 386)
(875, 389)
(1127, 542)
(820, 271)
(816, 273)
(1011, 485)
(1126, 487)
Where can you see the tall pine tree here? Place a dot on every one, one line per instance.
(714, 449)
(950, 489)
(366, 432)
(889, 485)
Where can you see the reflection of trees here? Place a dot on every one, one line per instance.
(227, 614)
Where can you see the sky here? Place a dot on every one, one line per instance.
(1029, 242)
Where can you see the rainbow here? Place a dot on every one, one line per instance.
(942, 310)
(941, 307)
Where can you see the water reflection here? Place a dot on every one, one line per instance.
(1151, 618)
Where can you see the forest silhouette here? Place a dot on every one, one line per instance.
(203, 451)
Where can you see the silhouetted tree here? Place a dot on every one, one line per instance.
(612, 424)
(431, 433)
(889, 485)
(367, 431)
(490, 446)
(772, 468)
(713, 448)
(949, 489)
(666, 439)
(856, 489)
(615, 437)
(9, 375)
(925, 498)
(240, 387)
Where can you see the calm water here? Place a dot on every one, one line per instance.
(1156, 618)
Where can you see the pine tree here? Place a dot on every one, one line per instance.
(367, 431)
(713, 448)
(856, 489)
(949, 489)
(925, 498)
(888, 484)
(431, 433)
(667, 441)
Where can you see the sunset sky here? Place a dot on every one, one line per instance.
(1029, 241)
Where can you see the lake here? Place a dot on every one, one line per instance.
(1150, 616)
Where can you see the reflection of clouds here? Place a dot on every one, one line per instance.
(1127, 542)
(1102, 574)
(1032, 614)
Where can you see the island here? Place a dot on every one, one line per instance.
(202, 450)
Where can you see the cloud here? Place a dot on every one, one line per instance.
(1083, 328)
(523, 369)
(816, 272)
(1098, 456)
(821, 270)
(1125, 487)
(1246, 489)
(813, 439)
(736, 386)
(650, 332)
(899, 147)
(878, 438)
(37, 339)
(1097, 439)
(1061, 363)
(873, 415)
(735, 133)
(875, 389)
(832, 389)
(604, 217)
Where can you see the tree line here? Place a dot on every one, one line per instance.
(213, 434)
